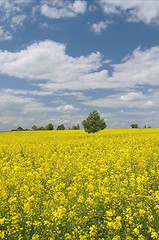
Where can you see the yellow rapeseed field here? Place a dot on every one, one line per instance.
(73, 185)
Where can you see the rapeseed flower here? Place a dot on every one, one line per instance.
(71, 185)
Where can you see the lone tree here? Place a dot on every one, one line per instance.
(93, 123)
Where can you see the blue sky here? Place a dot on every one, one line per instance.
(61, 59)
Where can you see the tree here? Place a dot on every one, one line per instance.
(76, 127)
(61, 127)
(34, 127)
(147, 126)
(41, 128)
(18, 129)
(134, 125)
(93, 123)
(49, 127)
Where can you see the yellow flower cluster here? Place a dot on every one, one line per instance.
(73, 185)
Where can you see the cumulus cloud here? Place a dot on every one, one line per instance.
(146, 11)
(67, 108)
(48, 61)
(99, 27)
(61, 9)
(140, 68)
(93, 80)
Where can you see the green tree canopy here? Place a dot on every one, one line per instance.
(49, 127)
(76, 127)
(34, 127)
(134, 125)
(41, 128)
(93, 123)
(61, 127)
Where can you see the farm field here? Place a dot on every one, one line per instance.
(73, 185)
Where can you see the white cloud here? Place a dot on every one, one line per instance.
(25, 92)
(19, 104)
(18, 20)
(74, 94)
(5, 35)
(67, 108)
(91, 80)
(98, 27)
(18, 109)
(140, 68)
(22, 110)
(132, 96)
(146, 11)
(12, 11)
(131, 100)
(31, 111)
(79, 6)
(48, 61)
(61, 9)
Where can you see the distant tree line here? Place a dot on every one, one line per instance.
(49, 126)
(59, 127)
(93, 123)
